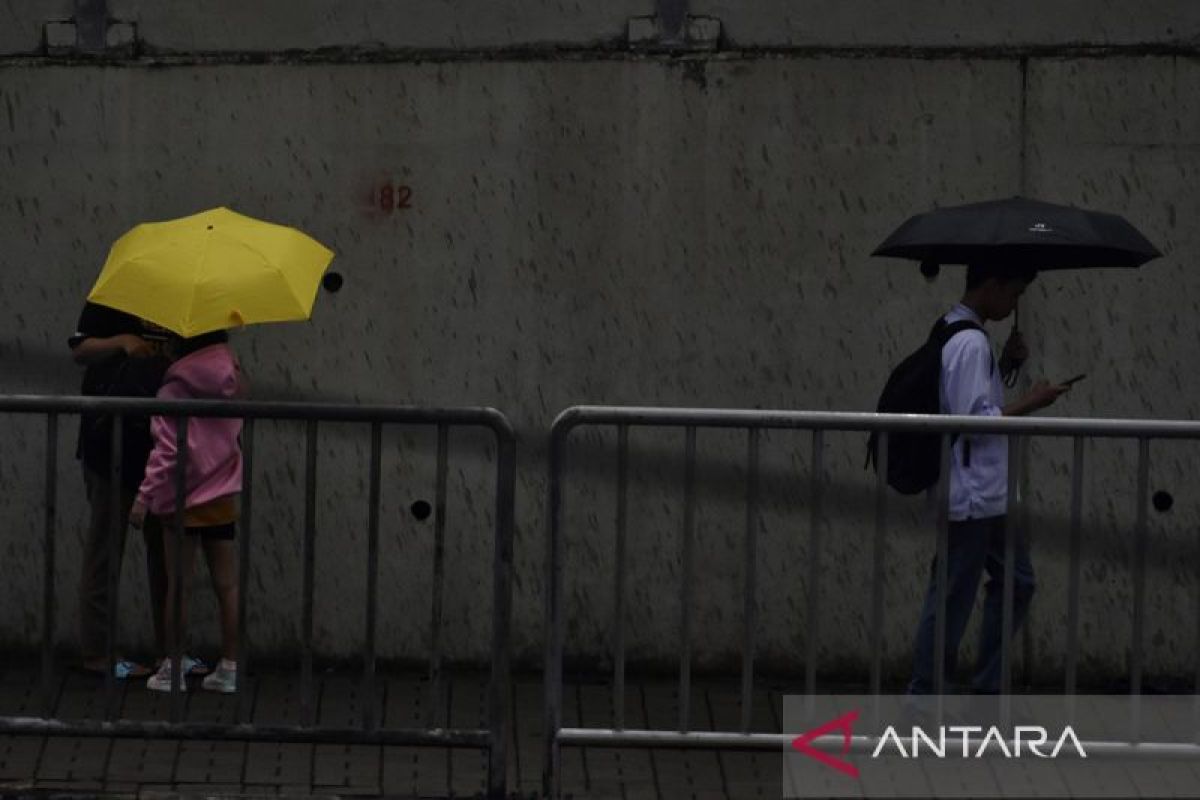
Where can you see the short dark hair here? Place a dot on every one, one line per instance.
(183, 346)
(980, 272)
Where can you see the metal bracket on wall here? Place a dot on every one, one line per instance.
(89, 31)
(689, 34)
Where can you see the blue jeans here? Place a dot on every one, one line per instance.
(974, 545)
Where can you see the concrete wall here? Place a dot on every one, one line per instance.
(588, 224)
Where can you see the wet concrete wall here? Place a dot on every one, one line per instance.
(529, 215)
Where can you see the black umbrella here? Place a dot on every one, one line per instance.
(1019, 231)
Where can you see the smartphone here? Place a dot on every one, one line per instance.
(1078, 377)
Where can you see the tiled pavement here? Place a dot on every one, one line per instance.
(137, 767)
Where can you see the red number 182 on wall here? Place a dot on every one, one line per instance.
(392, 197)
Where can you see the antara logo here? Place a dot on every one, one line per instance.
(843, 723)
(1034, 738)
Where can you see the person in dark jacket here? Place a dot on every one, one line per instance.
(123, 358)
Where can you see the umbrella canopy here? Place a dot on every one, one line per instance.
(1020, 231)
(213, 270)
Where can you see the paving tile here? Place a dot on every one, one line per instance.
(66, 759)
(278, 764)
(210, 762)
(19, 756)
(142, 761)
(416, 771)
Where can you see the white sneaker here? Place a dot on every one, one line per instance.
(161, 681)
(223, 679)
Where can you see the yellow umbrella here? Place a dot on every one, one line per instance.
(213, 270)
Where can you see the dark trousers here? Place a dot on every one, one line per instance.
(974, 546)
(94, 620)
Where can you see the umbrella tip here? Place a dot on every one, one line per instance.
(930, 269)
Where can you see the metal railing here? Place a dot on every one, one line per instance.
(753, 422)
(492, 739)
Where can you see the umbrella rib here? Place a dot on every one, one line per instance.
(291, 289)
(200, 275)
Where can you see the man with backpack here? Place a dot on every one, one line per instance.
(970, 384)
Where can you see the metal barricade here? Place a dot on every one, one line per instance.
(492, 739)
(753, 422)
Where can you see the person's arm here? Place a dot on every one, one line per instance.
(157, 491)
(94, 349)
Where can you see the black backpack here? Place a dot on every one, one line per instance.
(914, 459)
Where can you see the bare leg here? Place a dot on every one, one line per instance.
(171, 539)
(222, 566)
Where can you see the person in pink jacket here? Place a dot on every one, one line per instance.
(203, 367)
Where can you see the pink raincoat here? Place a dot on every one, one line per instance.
(214, 456)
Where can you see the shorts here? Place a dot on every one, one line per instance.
(224, 532)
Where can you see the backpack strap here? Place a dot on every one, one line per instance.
(944, 331)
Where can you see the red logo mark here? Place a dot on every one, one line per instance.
(843, 724)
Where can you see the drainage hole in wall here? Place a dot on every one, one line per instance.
(420, 509)
(1162, 501)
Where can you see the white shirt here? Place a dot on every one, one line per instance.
(970, 384)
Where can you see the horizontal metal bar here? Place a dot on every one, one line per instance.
(830, 420)
(130, 729)
(602, 737)
(617, 49)
(333, 412)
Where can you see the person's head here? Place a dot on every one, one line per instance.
(178, 346)
(993, 288)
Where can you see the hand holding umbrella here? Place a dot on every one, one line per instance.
(1015, 352)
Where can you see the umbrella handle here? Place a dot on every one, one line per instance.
(1009, 375)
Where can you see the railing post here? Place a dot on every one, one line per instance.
(877, 573)
(48, 595)
(1140, 543)
(750, 599)
(1074, 566)
(246, 523)
(554, 591)
(308, 559)
(436, 699)
(685, 589)
(813, 639)
(942, 573)
(502, 561)
(619, 579)
(116, 538)
(372, 599)
(1012, 530)
(180, 532)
